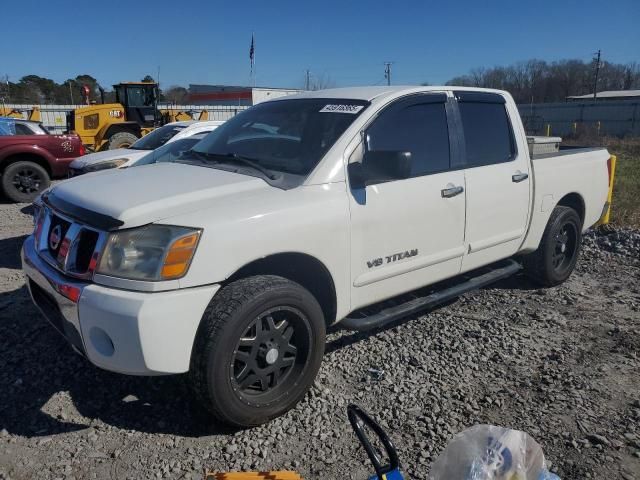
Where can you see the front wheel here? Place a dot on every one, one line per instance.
(258, 350)
(557, 254)
(23, 181)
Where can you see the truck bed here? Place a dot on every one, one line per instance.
(566, 150)
(577, 175)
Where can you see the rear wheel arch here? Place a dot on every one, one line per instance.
(25, 157)
(576, 202)
(301, 268)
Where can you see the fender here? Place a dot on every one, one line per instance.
(29, 149)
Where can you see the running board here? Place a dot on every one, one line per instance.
(362, 321)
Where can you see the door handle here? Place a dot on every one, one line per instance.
(451, 191)
(519, 177)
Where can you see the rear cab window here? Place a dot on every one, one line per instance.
(488, 136)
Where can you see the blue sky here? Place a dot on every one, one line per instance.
(348, 41)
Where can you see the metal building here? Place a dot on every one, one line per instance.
(235, 95)
(608, 95)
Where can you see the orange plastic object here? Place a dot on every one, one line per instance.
(253, 476)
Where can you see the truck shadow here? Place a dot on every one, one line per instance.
(40, 373)
(350, 337)
(46, 388)
(10, 252)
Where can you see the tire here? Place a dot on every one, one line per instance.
(121, 140)
(23, 181)
(559, 248)
(249, 366)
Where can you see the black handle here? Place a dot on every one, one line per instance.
(519, 177)
(358, 419)
(451, 192)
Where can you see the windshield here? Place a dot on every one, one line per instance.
(7, 126)
(157, 138)
(289, 136)
(170, 151)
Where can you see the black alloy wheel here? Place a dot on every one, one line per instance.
(22, 181)
(258, 349)
(557, 254)
(566, 243)
(27, 180)
(271, 353)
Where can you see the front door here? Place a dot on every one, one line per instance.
(408, 233)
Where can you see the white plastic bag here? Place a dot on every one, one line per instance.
(486, 452)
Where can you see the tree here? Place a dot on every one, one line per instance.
(148, 78)
(320, 82)
(539, 81)
(176, 94)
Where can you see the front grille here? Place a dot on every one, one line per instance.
(68, 246)
(84, 251)
(56, 234)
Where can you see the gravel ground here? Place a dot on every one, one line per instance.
(561, 364)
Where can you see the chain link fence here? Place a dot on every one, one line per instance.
(604, 118)
(54, 117)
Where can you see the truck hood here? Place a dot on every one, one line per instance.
(93, 158)
(150, 193)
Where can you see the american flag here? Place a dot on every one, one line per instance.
(251, 51)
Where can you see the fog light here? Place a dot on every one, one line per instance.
(101, 341)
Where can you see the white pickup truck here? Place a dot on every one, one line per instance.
(333, 206)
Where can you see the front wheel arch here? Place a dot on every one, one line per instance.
(301, 268)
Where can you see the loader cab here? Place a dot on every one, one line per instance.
(139, 100)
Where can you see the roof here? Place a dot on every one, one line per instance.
(371, 93)
(608, 94)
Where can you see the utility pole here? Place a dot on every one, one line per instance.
(71, 92)
(306, 81)
(595, 82)
(387, 72)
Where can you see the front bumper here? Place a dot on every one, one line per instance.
(136, 333)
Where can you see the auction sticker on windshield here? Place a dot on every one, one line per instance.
(339, 108)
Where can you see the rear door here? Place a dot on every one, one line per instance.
(408, 233)
(497, 179)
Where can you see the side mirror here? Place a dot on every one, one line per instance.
(379, 166)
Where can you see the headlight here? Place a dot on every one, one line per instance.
(105, 165)
(153, 252)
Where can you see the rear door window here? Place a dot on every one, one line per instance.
(488, 136)
(23, 129)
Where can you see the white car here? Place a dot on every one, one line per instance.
(338, 206)
(127, 157)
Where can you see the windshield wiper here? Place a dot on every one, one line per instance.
(252, 163)
(231, 158)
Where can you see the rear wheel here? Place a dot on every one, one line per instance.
(121, 140)
(23, 181)
(557, 254)
(258, 350)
